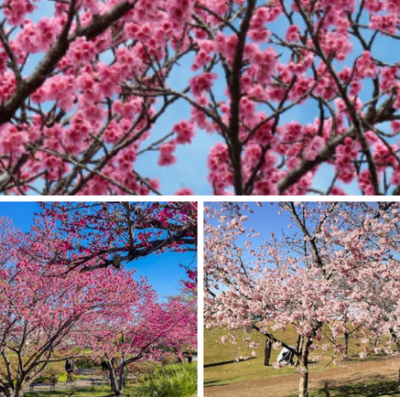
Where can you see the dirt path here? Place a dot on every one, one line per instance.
(282, 386)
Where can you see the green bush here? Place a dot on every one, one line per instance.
(85, 362)
(170, 381)
(48, 375)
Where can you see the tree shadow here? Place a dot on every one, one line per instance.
(226, 362)
(376, 389)
(212, 383)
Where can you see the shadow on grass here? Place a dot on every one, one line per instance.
(212, 383)
(226, 362)
(369, 389)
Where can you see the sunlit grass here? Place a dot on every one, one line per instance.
(220, 368)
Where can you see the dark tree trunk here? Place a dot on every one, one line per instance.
(121, 380)
(346, 343)
(114, 381)
(267, 351)
(12, 392)
(303, 386)
(117, 379)
(5, 391)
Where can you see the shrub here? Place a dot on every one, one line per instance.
(47, 375)
(85, 362)
(170, 381)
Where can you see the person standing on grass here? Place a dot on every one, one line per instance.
(104, 365)
(69, 367)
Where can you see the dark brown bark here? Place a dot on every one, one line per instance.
(235, 90)
(267, 351)
(298, 348)
(346, 343)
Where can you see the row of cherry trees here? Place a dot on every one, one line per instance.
(64, 294)
(335, 269)
(87, 85)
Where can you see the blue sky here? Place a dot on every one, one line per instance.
(264, 220)
(163, 271)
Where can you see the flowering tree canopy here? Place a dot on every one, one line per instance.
(338, 264)
(86, 85)
(86, 236)
(42, 315)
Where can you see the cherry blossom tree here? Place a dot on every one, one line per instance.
(41, 317)
(336, 258)
(87, 86)
(151, 327)
(86, 236)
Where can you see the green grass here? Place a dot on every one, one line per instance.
(62, 378)
(367, 389)
(171, 381)
(220, 368)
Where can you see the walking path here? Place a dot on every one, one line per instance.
(282, 386)
(92, 377)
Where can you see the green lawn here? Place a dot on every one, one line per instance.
(220, 368)
(219, 365)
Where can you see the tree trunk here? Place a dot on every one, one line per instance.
(267, 351)
(117, 380)
(346, 344)
(121, 380)
(303, 370)
(398, 379)
(298, 349)
(16, 391)
(114, 381)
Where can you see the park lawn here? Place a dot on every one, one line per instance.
(366, 389)
(220, 368)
